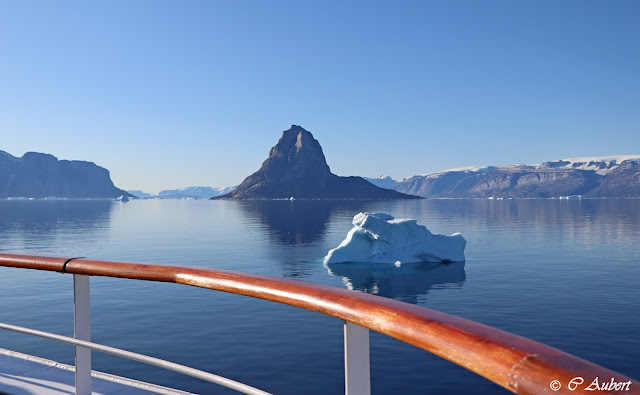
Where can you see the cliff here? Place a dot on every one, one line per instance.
(602, 177)
(38, 175)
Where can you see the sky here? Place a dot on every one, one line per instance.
(170, 94)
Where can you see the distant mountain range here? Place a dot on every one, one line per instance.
(37, 175)
(608, 177)
(296, 167)
(195, 192)
(186, 193)
(139, 194)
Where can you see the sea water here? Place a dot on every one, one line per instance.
(564, 273)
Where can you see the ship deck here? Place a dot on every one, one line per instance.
(22, 374)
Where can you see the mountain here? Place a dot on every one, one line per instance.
(140, 194)
(296, 167)
(601, 165)
(610, 176)
(9, 165)
(39, 175)
(195, 192)
(621, 181)
(385, 182)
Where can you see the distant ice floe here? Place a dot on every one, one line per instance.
(379, 238)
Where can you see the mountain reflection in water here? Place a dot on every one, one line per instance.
(55, 226)
(408, 282)
(296, 230)
(296, 222)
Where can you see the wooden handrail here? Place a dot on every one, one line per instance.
(518, 364)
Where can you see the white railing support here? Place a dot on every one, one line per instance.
(357, 373)
(140, 358)
(82, 331)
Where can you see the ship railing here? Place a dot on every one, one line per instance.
(518, 364)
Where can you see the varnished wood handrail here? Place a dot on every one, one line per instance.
(518, 364)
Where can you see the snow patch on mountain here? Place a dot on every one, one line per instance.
(467, 169)
(600, 164)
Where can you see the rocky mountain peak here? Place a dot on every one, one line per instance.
(296, 167)
(297, 141)
(296, 155)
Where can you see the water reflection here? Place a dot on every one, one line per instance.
(296, 230)
(54, 226)
(614, 213)
(290, 222)
(296, 222)
(408, 283)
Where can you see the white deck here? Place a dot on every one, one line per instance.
(22, 374)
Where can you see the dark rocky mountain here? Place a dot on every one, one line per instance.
(589, 177)
(296, 167)
(9, 165)
(39, 175)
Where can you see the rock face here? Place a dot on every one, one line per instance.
(515, 182)
(589, 177)
(296, 167)
(623, 181)
(9, 165)
(39, 175)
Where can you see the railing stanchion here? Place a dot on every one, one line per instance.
(82, 331)
(357, 374)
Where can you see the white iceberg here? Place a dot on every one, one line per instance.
(379, 238)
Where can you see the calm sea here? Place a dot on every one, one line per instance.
(564, 273)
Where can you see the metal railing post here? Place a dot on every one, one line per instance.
(82, 331)
(357, 374)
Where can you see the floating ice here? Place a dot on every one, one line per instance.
(378, 237)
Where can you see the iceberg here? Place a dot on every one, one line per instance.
(379, 238)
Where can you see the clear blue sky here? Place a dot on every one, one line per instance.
(168, 94)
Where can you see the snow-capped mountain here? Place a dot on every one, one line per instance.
(607, 176)
(601, 165)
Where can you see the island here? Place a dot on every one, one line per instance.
(296, 168)
(37, 175)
